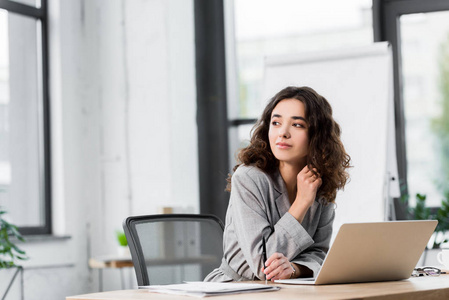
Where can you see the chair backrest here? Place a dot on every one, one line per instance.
(172, 248)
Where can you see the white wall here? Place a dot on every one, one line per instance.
(124, 135)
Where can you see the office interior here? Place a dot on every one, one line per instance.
(116, 108)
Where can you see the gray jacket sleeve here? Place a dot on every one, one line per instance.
(313, 256)
(252, 215)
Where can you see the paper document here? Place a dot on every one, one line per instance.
(204, 289)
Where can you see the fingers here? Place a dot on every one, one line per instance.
(305, 169)
(319, 182)
(309, 176)
(282, 272)
(314, 173)
(277, 267)
(273, 257)
(308, 182)
(310, 172)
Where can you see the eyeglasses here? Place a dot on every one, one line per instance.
(427, 271)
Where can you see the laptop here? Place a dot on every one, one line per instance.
(366, 252)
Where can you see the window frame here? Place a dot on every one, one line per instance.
(39, 14)
(386, 14)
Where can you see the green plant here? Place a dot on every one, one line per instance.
(443, 214)
(121, 237)
(421, 212)
(9, 252)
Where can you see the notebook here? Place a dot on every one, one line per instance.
(365, 252)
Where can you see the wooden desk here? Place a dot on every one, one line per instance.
(413, 289)
(102, 262)
(110, 261)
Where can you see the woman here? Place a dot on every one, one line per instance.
(283, 191)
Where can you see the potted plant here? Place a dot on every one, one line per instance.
(9, 252)
(422, 212)
(442, 216)
(123, 249)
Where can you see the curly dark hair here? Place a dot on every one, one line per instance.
(326, 151)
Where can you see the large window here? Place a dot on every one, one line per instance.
(419, 32)
(259, 28)
(24, 116)
(425, 77)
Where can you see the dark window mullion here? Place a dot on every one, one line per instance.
(238, 122)
(399, 8)
(23, 9)
(46, 122)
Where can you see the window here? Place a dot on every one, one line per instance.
(425, 69)
(280, 28)
(24, 116)
(419, 33)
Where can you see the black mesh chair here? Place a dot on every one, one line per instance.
(173, 248)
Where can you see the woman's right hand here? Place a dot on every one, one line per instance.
(307, 186)
(277, 267)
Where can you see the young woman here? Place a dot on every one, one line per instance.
(283, 191)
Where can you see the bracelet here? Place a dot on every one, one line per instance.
(292, 275)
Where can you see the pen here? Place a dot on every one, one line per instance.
(264, 254)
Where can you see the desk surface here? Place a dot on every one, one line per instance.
(413, 288)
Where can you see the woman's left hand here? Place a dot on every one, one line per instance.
(277, 267)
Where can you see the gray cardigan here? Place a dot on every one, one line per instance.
(259, 206)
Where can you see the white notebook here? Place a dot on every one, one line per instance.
(204, 289)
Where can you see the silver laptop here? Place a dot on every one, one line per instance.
(364, 252)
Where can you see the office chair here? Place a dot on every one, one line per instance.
(172, 248)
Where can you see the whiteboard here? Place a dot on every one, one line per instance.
(358, 83)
